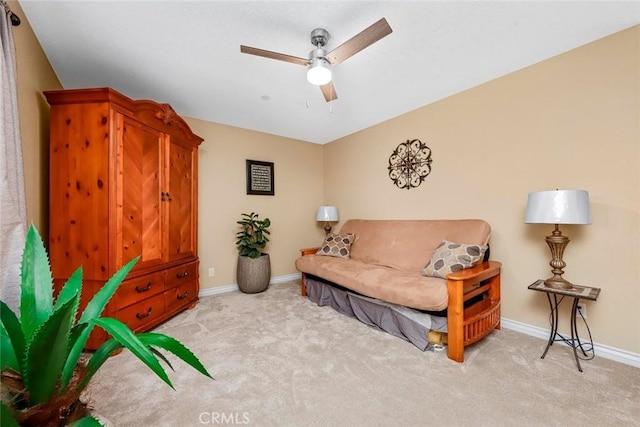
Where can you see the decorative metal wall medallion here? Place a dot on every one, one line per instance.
(409, 164)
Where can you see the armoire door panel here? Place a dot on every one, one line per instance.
(78, 191)
(141, 220)
(181, 227)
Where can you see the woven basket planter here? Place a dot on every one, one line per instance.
(254, 274)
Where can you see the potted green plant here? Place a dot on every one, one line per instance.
(254, 266)
(43, 370)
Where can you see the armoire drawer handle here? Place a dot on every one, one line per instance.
(182, 274)
(143, 315)
(145, 289)
(183, 296)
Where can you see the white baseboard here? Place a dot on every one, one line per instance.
(234, 287)
(612, 353)
(285, 278)
(217, 290)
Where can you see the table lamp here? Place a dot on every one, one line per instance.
(327, 214)
(558, 207)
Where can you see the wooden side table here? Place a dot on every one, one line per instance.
(577, 293)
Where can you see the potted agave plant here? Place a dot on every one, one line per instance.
(44, 371)
(254, 266)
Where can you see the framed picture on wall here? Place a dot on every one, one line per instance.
(260, 178)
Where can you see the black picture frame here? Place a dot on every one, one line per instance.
(260, 179)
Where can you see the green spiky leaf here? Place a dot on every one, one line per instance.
(13, 343)
(71, 289)
(101, 298)
(128, 339)
(174, 346)
(161, 356)
(36, 301)
(86, 422)
(98, 358)
(149, 339)
(8, 358)
(6, 417)
(67, 371)
(92, 311)
(46, 353)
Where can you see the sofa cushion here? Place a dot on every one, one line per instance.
(337, 245)
(450, 257)
(407, 244)
(384, 283)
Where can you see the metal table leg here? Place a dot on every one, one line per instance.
(575, 339)
(554, 322)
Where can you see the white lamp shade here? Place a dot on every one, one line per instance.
(319, 72)
(558, 207)
(327, 213)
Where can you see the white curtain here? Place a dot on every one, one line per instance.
(13, 212)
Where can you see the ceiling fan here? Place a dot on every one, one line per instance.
(320, 62)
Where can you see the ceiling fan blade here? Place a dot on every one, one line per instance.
(360, 41)
(273, 55)
(329, 92)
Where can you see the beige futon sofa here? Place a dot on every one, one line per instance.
(387, 260)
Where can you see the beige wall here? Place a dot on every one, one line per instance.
(34, 75)
(222, 197)
(571, 122)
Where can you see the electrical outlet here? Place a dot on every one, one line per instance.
(212, 271)
(582, 308)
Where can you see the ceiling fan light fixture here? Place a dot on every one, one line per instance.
(319, 62)
(319, 72)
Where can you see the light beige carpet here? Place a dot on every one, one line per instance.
(280, 360)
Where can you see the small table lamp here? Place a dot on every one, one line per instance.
(558, 207)
(327, 214)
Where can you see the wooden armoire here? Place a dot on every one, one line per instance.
(123, 183)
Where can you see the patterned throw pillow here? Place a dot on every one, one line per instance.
(337, 245)
(450, 257)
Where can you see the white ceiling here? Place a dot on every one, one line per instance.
(187, 53)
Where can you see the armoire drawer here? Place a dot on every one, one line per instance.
(180, 296)
(134, 290)
(177, 276)
(143, 312)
